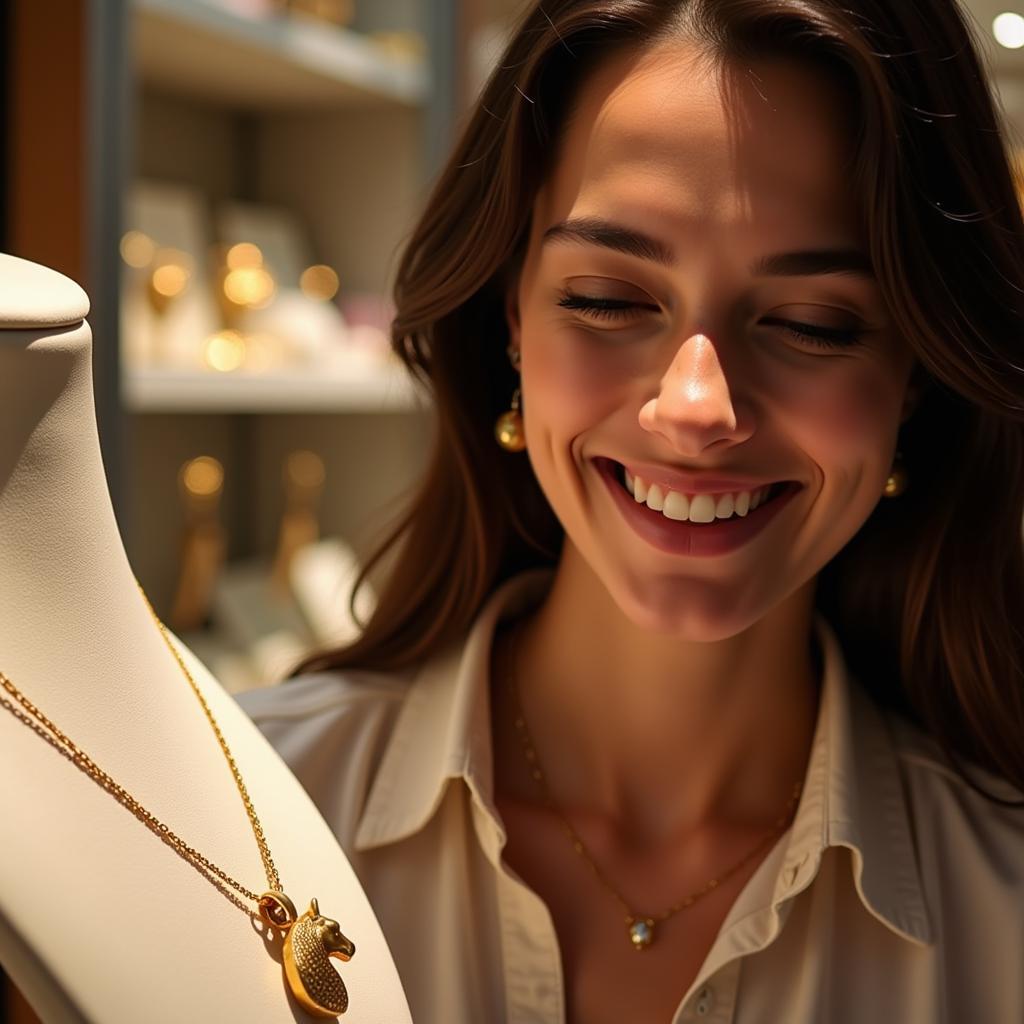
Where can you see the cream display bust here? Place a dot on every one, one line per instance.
(99, 920)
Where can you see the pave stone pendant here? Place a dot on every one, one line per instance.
(641, 932)
(310, 942)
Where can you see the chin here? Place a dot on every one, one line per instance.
(689, 609)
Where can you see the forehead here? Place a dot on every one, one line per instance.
(761, 144)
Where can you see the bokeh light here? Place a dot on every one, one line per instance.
(202, 476)
(319, 282)
(1008, 28)
(137, 249)
(252, 287)
(224, 351)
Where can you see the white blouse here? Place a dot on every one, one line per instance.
(895, 897)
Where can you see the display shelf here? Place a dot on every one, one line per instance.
(356, 389)
(196, 48)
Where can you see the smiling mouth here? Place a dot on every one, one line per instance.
(701, 509)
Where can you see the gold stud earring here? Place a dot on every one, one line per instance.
(898, 479)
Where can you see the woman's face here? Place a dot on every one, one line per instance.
(657, 315)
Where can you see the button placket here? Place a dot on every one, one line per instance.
(705, 1001)
(794, 870)
(715, 998)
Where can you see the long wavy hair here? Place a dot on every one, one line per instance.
(926, 598)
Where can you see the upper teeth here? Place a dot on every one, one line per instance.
(696, 508)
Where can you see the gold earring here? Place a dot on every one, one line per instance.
(509, 428)
(898, 479)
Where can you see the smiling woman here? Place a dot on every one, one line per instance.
(720, 644)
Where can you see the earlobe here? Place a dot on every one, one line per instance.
(512, 320)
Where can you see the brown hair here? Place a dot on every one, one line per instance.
(926, 597)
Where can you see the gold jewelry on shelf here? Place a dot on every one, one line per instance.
(310, 940)
(898, 479)
(640, 927)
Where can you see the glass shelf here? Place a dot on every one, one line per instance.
(307, 390)
(196, 48)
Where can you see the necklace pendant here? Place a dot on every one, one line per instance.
(311, 941)
(641, 932)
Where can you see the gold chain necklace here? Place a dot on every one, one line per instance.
(640, 927)
(310, 940)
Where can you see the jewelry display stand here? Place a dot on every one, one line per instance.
(100, 921)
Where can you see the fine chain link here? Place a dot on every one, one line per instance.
(580, 847)
(86, 764)
(268, 862)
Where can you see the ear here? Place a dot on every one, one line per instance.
(512, 312)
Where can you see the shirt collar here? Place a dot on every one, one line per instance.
(852, 794)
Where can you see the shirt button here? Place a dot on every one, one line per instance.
(705, 1000)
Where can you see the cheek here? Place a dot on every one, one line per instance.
(845, 424)
(851, 412)
(569, 381)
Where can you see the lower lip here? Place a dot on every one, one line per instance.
(685, 538)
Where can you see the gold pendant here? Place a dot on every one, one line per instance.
(309, 944)
(641, 932)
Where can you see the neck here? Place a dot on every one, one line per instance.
(658, 735)
(62, 562)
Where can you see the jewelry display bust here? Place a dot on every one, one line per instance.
(99, 920)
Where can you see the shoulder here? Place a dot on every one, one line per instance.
(321, 697)
(331, 729)
(958, 829)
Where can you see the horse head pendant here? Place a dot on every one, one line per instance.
(310, 943)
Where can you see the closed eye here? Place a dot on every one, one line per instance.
(611, 309)
(834, 337)
(599, 306)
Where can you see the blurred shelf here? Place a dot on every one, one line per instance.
(373, 389)
(196, 48)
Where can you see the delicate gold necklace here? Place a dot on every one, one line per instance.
(640, 927)
(310, 940)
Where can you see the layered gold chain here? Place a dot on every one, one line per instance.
(62, 743)
(310, 940)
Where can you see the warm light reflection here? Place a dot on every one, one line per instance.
(224, 351)
(249, 286)
(1008, 29)
(168, 277)
(170, 280)
(244, 254)
(319, 282)
(202, 476)
(137, 249)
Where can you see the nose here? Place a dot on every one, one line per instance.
(695, 408)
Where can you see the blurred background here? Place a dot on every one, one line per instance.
(231, 181)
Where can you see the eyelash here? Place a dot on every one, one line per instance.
(609, 309)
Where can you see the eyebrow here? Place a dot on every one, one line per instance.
(609, 235)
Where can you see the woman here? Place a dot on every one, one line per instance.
(709, 702)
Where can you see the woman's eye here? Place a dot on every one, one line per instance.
(598, 306)
(817, 334)
(610, 309)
